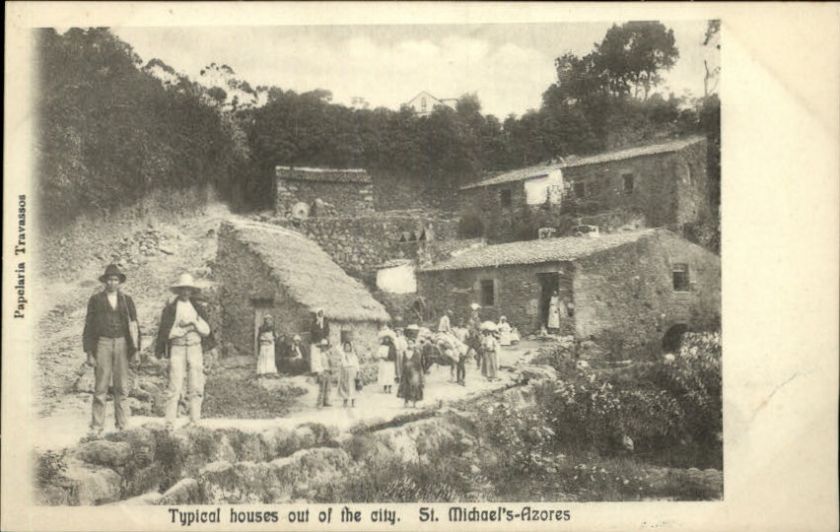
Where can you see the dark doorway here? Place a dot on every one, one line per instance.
(549, 283)
(672, 340)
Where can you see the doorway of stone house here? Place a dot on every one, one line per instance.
(672, 341)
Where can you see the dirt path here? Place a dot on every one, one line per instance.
(60, 326)
(66, 426)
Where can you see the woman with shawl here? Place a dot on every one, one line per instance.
(412, 379)
(266, 337)
(387, 355)
(349, 370)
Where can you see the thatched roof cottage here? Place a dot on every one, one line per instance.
(264, 268)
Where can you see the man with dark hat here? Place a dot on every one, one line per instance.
(183, 337)
(110, 339)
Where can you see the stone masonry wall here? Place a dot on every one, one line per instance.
(243, 276)
(517, 293)
(393, 192)
(346, 199)
(625, 300)
(669, 190)
(360, 244)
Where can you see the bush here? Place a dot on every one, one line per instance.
(51, 466)
(670, 409)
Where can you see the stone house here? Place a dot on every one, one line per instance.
(631, 291)
(344, 192)
(264, 268)
(659, 185)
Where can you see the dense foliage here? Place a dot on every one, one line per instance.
(596, 433)
(112, 128)
(109, 132)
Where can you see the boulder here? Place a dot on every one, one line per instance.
(537, 373)
(104, 452)
(185, 491)
(92, 484)
(299, 476)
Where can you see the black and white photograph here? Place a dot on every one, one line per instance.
(464, 264)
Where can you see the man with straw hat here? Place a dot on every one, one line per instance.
(110, 339)
(183, 336)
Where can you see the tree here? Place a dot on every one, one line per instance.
(632, 55)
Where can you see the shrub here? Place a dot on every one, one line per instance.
(661, 406)
(51, 466)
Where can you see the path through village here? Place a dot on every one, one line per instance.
(153, 257)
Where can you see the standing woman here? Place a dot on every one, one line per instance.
(387, 359)
(490, 347)
(319, 331)
(554, 312)
(412, 380)
(504, 332)
(349, 369)
(266, 337)
(402, 346)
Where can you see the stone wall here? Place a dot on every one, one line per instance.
(669, 190)
(243, 278)
(342, 198)
(625, 299)
(517, 293)
(362, 243)
(394, 192)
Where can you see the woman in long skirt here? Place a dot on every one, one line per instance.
(412, 380)
(266, 336)
(349, 370)
(504, 332)
(490, 346)
(387, 359)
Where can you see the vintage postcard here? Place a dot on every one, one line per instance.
(400, 266)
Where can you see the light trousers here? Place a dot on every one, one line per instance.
(185, 360)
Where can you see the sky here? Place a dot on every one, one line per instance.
(507, 65)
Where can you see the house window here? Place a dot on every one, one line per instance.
(488, 293)
(680, 276)
(505, 198)
(580, 189)
(629, 183)
(423, 104)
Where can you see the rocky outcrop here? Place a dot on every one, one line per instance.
(299, 476)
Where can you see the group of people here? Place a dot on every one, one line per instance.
(111, 341)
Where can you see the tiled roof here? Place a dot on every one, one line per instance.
(335, 175)
(539, 170)
(538, 251)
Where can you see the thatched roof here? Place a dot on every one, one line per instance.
(538, 251)
(307, 273)
(542, 170)
(332, 175)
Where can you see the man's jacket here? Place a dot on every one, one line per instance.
(97, 310)
(167, 320)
